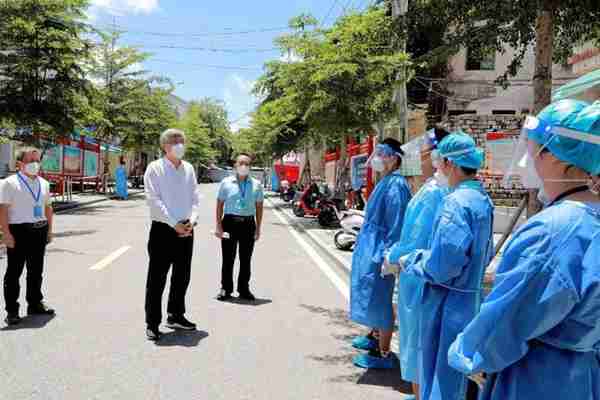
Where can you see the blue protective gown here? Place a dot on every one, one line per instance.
(370, 294)
(416, 232)
(121, 182)
(538, 333)
(460, 248)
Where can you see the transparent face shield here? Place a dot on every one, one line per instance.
(522, 168)
(382, 155)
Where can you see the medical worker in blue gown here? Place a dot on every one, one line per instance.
(453, 267)
(121, 181)
(370, 293)
(538, 333)
(416, 232)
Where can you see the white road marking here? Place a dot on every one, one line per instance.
(106, 261)
(312, 253)
(333, 253)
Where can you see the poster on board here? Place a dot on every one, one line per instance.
(72, 160)
(500, 147)
(358, 171)
(52, 159)
(90, 164)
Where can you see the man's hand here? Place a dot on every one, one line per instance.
(183, 230)
(479, 379)
(257, 235)
(8, 240)
(50, 237)
(219, 234)
(388, 268)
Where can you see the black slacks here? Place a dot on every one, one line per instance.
(30, 248)
(241, 234)
(167, 249)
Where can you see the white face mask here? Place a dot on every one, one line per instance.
(441, 179)
(178, 151)
(243, 170)
(32, 168)
(377, 164)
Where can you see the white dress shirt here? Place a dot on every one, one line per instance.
(172, 193)
(15, 194)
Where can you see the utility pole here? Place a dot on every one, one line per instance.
(399, 10)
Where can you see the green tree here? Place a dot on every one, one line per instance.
(214, 115)
(200, 145)
(552, 27)
(42, 45)
(338, 81)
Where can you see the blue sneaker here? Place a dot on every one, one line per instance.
(366, 343)
(371, 361)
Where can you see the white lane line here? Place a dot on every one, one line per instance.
(333, 253)
(106, 261)
(321, 263)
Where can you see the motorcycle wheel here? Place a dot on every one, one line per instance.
(298, 211)
(342, 246)
(327, 218)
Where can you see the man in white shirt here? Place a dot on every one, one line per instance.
(26, 223)
(172, 194)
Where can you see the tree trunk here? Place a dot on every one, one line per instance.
(542, 79)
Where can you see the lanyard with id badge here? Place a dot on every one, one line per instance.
(37, 208)
(243, 190)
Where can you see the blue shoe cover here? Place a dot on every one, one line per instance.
(371, 362)
(366, 343)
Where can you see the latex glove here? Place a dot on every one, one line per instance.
(388, 268)
(479, 379)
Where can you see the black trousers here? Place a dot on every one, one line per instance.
(30, 248)
(241, 234)
(167, 249)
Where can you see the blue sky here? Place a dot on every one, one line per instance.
(227, 75)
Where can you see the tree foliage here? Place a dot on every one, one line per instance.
(331, 83)
(127, 103)
(42, 44)
(208, 134)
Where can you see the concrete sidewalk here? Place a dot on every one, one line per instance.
(86, 199)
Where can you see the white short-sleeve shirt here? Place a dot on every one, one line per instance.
(15, 194)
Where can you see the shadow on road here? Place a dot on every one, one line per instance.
(182, 338)
(31, 322)
(74, 233)
(64, 251)
(255, 303)
(343, 356)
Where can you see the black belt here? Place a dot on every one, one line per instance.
(34, 225)
(244, 218)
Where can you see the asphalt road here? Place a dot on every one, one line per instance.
(294, 343)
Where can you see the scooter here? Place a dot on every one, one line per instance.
(287, 192)
(330, 214)
(351, 222)
(308, 203)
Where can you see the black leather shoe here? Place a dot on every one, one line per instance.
(224, 296)
(13, 319)
(153, 334)
(248, 296)
(180, 322)
(40, 309)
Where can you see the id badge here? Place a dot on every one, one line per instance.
(37, 212)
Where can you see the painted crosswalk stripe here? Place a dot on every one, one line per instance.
(106, 261)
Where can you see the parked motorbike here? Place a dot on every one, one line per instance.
(308, 203)
(287, 192)
(351, 222)
(330, 212)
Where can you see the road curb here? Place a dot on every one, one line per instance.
(76, 205)
(313, 239)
